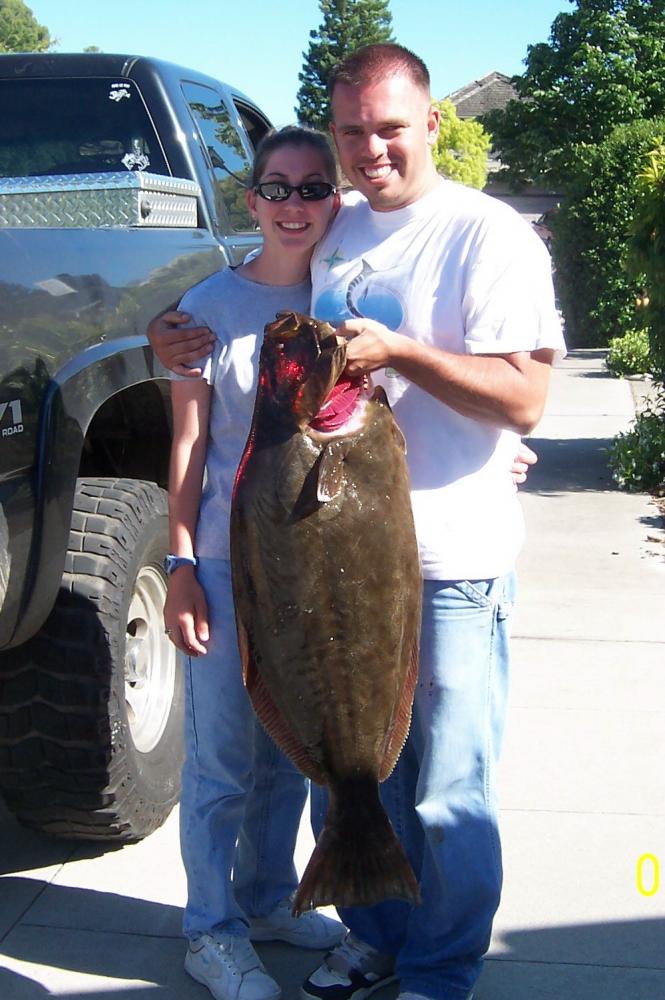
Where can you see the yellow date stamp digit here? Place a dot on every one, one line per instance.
(648, 874)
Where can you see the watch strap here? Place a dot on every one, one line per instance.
(173, 562)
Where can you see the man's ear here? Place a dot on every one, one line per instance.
(433, 123)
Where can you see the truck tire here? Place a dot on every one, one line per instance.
(91, 707)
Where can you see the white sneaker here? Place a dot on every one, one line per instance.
(310, 930)
(352, 971)
(230, 968)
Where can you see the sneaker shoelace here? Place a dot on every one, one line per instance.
(350, 954)
(238, 951)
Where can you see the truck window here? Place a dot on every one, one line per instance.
(226, 154)
(255, 126)
(75, 126)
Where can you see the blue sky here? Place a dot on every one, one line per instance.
(258, 44)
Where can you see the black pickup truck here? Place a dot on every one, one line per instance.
(121, 185)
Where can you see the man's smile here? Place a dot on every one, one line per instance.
(377, 172)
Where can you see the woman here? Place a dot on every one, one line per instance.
(241, 798)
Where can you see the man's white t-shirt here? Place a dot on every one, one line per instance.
(460, 271)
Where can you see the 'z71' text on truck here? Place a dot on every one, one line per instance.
(121, 185)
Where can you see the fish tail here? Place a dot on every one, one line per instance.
(358, 860)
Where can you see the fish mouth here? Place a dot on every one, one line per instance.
(303, 360)
(341, 404)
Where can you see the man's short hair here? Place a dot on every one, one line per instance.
(380, 60)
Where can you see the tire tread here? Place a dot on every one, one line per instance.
(64, 748)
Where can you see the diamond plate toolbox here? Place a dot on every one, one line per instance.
(90, 201)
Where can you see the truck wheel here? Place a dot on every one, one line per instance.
(91, 707)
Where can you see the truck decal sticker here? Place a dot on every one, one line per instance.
(138, 160)
(118, 91)
(16, 413)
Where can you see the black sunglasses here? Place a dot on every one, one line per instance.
(308, 190)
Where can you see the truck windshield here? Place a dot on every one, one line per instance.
(75, 126)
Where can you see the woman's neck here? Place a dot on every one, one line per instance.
(274, 268)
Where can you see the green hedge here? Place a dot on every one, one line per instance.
(637, 457)
(591, 236)
(629, 355)
(646, 254)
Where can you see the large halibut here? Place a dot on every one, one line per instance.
(327, 590)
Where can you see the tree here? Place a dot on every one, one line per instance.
(604, 66)
(347, 24)
(461, 148)
(19, 29)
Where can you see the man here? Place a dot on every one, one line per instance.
(446, 295)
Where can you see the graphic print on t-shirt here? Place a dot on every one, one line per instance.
(364, 293)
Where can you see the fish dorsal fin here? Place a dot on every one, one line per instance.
(332, 475)
(401, 722)
(269, 715)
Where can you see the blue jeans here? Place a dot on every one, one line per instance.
(241, 799)
(441, 796)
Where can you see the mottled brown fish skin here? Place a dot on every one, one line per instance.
(327, 590)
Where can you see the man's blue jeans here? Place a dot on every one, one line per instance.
(441, 796)
(236, 785)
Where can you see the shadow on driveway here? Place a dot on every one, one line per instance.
(569, 466)
(130, 939)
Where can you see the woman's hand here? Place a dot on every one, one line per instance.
(186, 612)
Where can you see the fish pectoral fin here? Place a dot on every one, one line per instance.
(332, 475)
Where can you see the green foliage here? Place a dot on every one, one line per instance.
(346, 25)
(591, 233)
(646, 251)
(637, 457)
(19, 29)
(461, 148)
(629, 355)
(603, 66)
